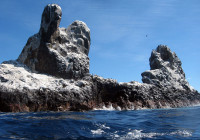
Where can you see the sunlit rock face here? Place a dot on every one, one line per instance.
(58, 51)
(166, 70)
(52, 73)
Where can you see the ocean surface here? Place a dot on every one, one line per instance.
(167, 124)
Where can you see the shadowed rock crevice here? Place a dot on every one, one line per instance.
(52, 73)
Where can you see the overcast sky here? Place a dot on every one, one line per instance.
(123, 32)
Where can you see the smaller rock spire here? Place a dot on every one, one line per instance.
(166, 70)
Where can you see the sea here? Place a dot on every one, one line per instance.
(146, 124)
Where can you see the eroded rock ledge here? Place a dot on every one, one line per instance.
(52, 73)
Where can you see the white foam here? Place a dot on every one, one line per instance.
(107, 108)
(198, 104)
(183, 133)
(118, 108)
(138, 134)
(100, 130)
(104, 126)
(116, 136)
(97, 132)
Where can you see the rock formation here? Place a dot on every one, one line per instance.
(52, 73)
(58, 51)
(166, 70)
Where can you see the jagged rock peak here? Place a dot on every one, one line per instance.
(58, 51)
(166, 70)
(80, 34)
(164, 57)
(50, 21)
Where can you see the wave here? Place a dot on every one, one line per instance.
(118, 108)
(108, 108)
(139, 134)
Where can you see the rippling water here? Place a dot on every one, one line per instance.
(181, 123)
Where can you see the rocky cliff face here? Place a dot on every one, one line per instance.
(52, 73)
(58, 51)
(166, 70)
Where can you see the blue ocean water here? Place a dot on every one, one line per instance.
(168, 124)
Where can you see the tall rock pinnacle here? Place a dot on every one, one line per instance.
(58, 51)
(166, 70)
(50, 22)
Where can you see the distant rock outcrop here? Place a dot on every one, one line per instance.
(52, 73)
(166, 70)
(58, 51)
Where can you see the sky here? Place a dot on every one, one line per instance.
(123, 32)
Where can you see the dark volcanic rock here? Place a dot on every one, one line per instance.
(134, 95)
(52, 73)
(58, 51)
(24, 90)
(49, 28)
(166, 70)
